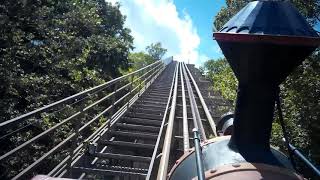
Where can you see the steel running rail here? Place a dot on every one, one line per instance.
(205, 108)
(138, 81)
(154, 154)
(187, 79)
(186, 143)
(163, 166)
(194, 107)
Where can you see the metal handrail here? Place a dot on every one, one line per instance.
(65, 141)
(80, 94)
(205, 108)
(2, 157)
(155, 70)
(163, 166)
(154, 154)
(103, 129)
(138, 94)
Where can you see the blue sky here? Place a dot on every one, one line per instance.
(184, 27)
(202, 14)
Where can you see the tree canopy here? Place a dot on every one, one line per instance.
(51, 49)
(156, 51)
(222, 77)
(139, 60)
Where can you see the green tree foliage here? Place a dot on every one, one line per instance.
(51, 49)
(139, 60)
(300, 91)
(156, 51)
(302, 105)
(222, 77)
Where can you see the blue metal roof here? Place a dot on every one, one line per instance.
(269, 18)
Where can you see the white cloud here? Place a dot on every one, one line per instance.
(158, 21)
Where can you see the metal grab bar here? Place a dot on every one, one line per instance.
(198, 154)
(296, 152)
(163, 166)
(205, 108)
